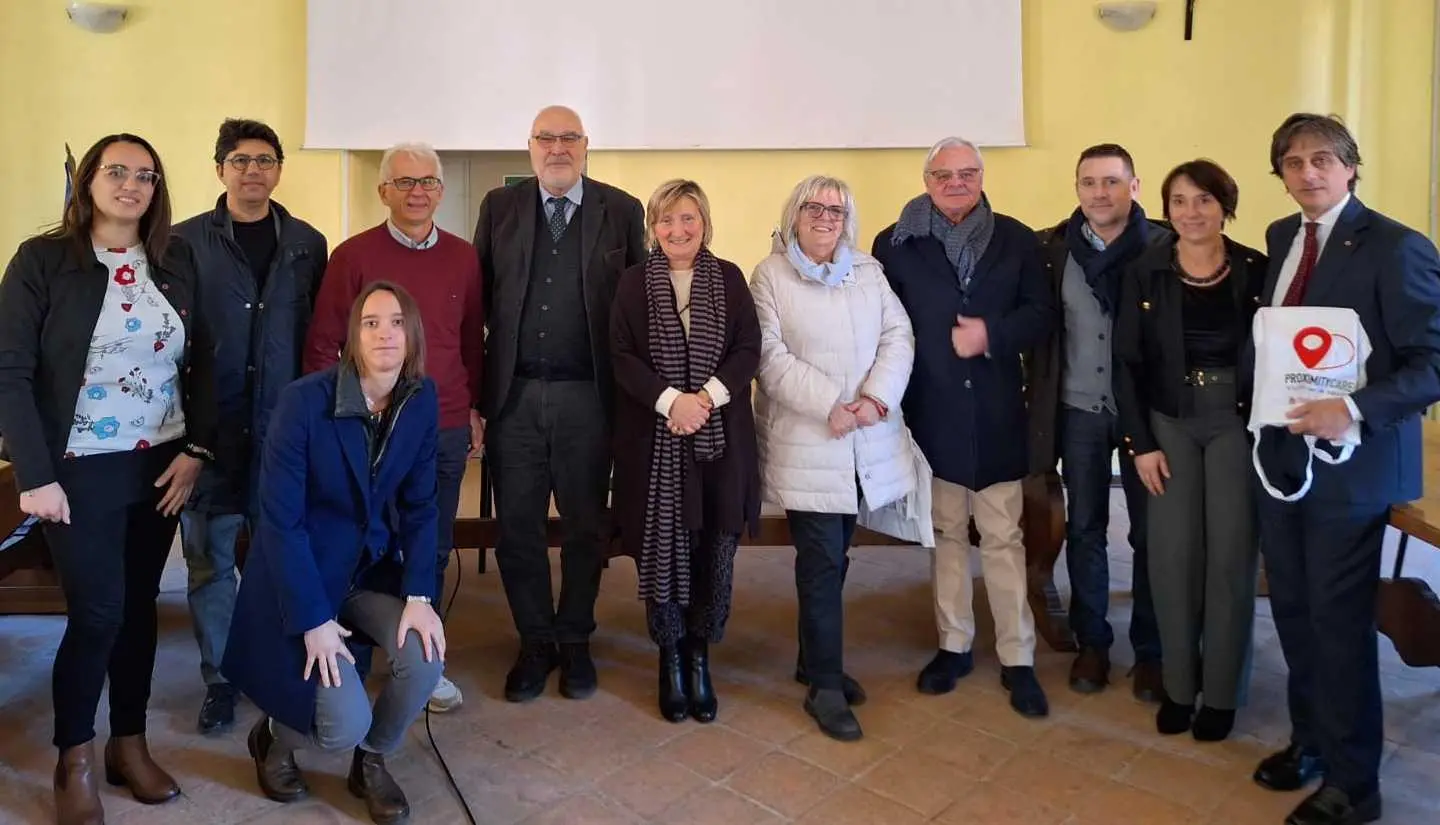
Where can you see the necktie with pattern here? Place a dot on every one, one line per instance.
(557, 217)
(1308, 254)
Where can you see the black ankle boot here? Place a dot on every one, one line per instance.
(673, 704)
(1173, 718)
(703, 704)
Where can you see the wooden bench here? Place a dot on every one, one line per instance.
(28, 583)
(1408, 610)
(1043, 523)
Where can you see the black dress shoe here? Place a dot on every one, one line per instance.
(674, 705)
(371, 781)
(1026, 695)
(275, 769)
(577, 671)
(1332, 806)
(1290, 769)
(854, 693)
(832, 713)
(1212, 724)
(703, 704)
(526, 679)
(944, 672)
(1173, 717)
(217, 714)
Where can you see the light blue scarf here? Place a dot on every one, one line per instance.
(830, 273)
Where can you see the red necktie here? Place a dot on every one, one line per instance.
(1311, 251)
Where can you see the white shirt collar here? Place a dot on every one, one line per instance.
(1332, 215)
(574, 194)
(406, 241)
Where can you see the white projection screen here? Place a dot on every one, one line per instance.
(469, 75)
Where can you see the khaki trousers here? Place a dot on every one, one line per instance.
(996, 510)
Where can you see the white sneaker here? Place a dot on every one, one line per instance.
(445, 697)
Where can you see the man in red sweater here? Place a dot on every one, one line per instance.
(442, 272)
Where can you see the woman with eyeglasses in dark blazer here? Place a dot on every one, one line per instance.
(107, 411)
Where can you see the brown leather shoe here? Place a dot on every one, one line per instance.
(275, 769)
(1147, 681)
(77, 794)
(1090, 672)
(372, 782)
(128, 764)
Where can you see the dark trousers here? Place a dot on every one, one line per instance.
(1204, 551)
(712, 577)
(1323, 563)
(822, 544)
(109, 558)
(1087, 440)
(452, 451)
(550, 437)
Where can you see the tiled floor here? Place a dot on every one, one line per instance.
(958, 759)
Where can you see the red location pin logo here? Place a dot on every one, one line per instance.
(1312, 344)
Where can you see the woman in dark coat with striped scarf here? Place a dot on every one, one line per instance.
(686, 346)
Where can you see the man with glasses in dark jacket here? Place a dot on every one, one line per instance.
(260, 269)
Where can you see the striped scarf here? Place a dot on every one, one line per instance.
(686, 366)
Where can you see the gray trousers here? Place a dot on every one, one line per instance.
(1204, 551)
(343, 716)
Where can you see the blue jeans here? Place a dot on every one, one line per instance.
(208, 543)
(344, 718)
(451, 452)
(1087, 441)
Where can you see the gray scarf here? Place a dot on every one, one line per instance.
(965, 242)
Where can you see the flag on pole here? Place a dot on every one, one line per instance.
(69, 174)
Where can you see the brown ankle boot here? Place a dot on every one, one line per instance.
(275, 768)
(371, 781)
(128, 764)
(77, 795)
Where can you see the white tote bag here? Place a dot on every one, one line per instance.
(1305, 353)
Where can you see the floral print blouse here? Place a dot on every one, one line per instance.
(128, 400)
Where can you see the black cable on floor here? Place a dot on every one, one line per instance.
(459, 573)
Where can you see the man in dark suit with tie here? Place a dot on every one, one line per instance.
(551, 251)
(1322, 553)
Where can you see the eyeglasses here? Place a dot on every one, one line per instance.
(944, 176)
(815, 210)
(547, 140)
(118, 173)
(242, 162)
(429, 183)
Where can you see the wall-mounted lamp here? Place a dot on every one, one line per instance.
(1125, 15)
(100, 18)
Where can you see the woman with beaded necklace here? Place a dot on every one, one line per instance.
(1183, 321)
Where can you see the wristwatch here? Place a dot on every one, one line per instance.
(420, 599)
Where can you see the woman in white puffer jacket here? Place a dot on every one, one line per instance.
(836, 354)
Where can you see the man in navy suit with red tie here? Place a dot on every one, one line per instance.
(1322, 553)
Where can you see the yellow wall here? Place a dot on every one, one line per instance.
(1220, 95)
(171, 75)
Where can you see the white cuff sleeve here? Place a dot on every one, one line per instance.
(1354, 410)
(718, 393)
(667, 398)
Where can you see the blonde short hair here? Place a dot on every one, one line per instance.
(806, 190)
(667, 197)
